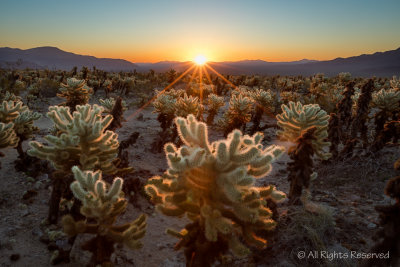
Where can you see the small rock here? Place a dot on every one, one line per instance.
(371, 226)
(15, 257)
(140, 117)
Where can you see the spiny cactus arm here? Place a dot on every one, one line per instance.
(192, 132)
(60, 116)
(23, 124)
(72, 227)
(215, 223)
(107, 103)
(8, 137)
(10, 110)
(129, 234)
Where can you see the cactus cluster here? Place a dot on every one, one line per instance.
(213, 184)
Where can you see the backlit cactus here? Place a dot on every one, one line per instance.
(109, 103)
(10, 110)
(388, 103)
(8, 137)
(75, 92)
(164, 105)
(82, 141)
(296, 118)
(187, 105)
(214, 103)
(238, 114)
(387, 100)
(101, 205)
(213, 184)
(264, 102)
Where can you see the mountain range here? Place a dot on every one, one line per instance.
(385, 64)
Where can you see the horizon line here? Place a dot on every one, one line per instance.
(186, 61)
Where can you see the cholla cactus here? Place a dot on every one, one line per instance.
(238, 114)
(344, 110)
(387, 238)
(264, 102)
(10, 110)
(296, 118)
(109, 103)
(22, 118)
(387, 100)
(214, 102)
(75, 92)
(361, 116)
(24, 128)
(82, 141)
(301, 167)
(8, 138)
(187, 105)
(344, 77)
(102, 205)
(164, 105)
(213, 184)
(395, 83)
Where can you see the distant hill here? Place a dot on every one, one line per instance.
(378, 64)
(54, 58)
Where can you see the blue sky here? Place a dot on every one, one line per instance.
(222, 30)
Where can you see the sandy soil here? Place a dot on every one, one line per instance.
(350, 189)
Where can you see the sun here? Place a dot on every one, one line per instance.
(200, 60)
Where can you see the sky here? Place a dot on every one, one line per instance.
(222, 30)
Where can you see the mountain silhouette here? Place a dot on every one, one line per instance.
(383, 64)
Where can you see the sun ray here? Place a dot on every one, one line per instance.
(209, 79)
(161, 92)
(192, 77)
(221, 76)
